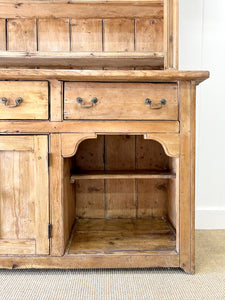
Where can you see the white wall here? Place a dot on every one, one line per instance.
(202, 47)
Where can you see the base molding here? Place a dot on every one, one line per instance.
(210, 218)
(89, 262)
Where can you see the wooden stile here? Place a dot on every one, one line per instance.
(2, 35)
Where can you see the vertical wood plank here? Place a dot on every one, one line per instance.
(118, 35)
(151, 194)
(173, 199)
(86, 35)
(7, 229)
(27, 191)
(171, 24)
(69, 199)
(152, 198)
(149, 35)
(193, 147)
(56, 201)
(2, 35)
(120, 194)
(90, 193)
(186, 213)
(53, 35)
(41, 194)
(21, 35)
(56, 100)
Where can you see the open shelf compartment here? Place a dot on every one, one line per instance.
(120, 236)
(120, 197)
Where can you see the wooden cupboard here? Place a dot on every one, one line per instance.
(97, 136)
(24, 200)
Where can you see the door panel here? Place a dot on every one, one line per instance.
(24, 197)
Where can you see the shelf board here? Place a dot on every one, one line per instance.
(104, 75)
(142, 174)
(121, 236)
(82, 9)
(82, 59)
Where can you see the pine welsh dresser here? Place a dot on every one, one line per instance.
(97, 136)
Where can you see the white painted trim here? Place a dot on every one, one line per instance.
(210, 218)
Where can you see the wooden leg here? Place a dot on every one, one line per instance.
(187, 177)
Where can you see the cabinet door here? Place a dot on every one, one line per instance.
(24, 195)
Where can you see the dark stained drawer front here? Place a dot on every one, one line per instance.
(120, 101)
(24, 100)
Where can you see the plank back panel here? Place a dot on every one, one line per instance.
(2, 35)
(21, 35)
(120, 193)
(53, 35)
(118, 35)
(86, 35)
(90, 201)
(149, 35)
(123, 198)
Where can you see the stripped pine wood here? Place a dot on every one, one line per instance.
(53, 35)
(126, 127)
(56, 100)
(21, 35)
(127, 260)
(120, 193)
(171, 24)
(83, 60)
(90, 198)
(70, 142)
(193, 152)
(170, 142)
(57, 244)
(86, 35)
(2, 35)
(81, 9)
(14, 247)
(112, 98)
(34, 96)
(152, 193)
(24, 213)
(105, 186)
(149, 35)
(105, 75)
(120, 175)
(150, 155)
(152, 198)
(17, 143)
(69, 199)
(41, 194)
(151, 225)
(141, 237)
(186, 213)
(118, 35)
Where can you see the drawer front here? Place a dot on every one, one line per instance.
(117, 101)
(23, 100)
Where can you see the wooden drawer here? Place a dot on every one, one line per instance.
(24, 100)
(120, 101)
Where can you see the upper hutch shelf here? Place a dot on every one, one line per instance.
(151, 60)
(89, 34)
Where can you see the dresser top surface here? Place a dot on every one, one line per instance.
(105, 75)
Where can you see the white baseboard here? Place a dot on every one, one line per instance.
(210, 218)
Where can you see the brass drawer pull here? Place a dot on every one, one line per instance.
(18, 101)
(79, 100)
(149, 102)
